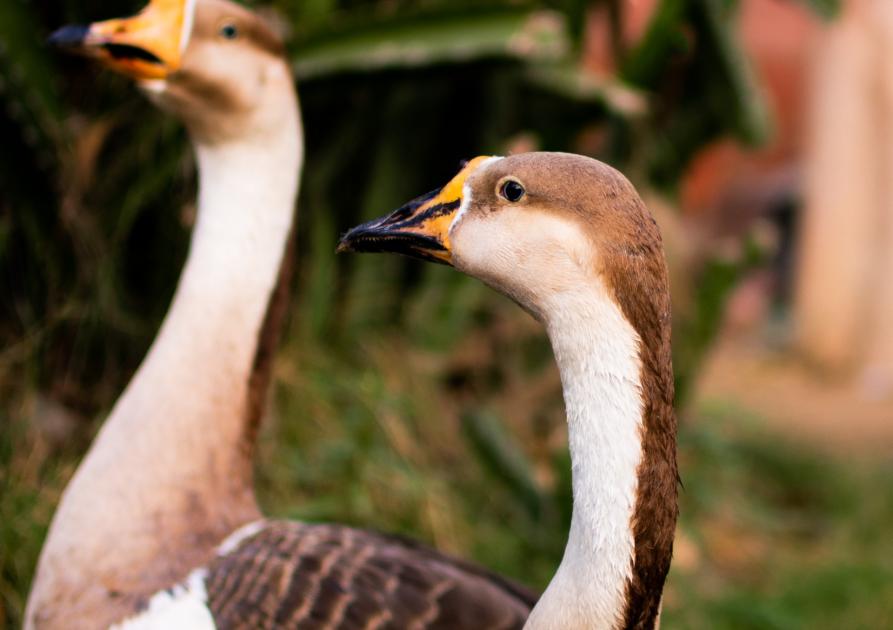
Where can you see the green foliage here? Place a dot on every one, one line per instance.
(826, 8)
(696, 331)
(420, 40)
(30, 486)
(701, 82)
(783, 538)
(94, 246)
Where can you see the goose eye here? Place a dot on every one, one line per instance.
(512, 191)
(229, 31)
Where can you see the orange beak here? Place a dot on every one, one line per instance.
(146, 46)
(420, 229)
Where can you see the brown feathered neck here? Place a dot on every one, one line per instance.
(643, 296)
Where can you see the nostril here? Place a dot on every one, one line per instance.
(404, 212)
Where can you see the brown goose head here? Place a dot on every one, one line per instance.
(212, 63)
(533, 226)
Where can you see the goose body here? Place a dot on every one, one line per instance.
(159, 527)
(569, 239)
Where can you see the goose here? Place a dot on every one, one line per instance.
(159, 526)
(569, 239)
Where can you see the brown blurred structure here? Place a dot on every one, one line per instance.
(830, 88)
(844, 297)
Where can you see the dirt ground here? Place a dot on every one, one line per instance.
(846, 416)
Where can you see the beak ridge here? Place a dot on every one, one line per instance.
(421, 228)
(404, 231)
(145, 46)
(71, 36)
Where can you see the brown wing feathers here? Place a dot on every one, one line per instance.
(296, 575)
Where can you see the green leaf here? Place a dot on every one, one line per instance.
(664, 38)
(433, 39)
(575, 13)
(26, 78)
(702, 84)
(503, 458)
(752, 122)
(828, 9)
(570, 81)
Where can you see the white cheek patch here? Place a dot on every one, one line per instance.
(183, 607)
(525, 248)
(466, 192)
(188, 20)
(463, 208)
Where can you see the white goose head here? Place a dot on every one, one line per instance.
(569, 239)
(212, 63)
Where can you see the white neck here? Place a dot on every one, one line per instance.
(171, 465)
(597, 354)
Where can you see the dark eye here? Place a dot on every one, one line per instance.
(512, 191)
(229, 31)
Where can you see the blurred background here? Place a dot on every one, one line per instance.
(411, 399)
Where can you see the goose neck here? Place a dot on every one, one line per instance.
(169, 474)
(172, 462)
(597, 352)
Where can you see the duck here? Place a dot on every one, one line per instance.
(569, 239)
(159, 526)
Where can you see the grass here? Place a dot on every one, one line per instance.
(775, 536)
(461, 445)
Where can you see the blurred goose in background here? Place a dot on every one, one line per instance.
(159, 527)
(569, 239)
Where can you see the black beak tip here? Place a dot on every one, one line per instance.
(70, 36)
(345, 243)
